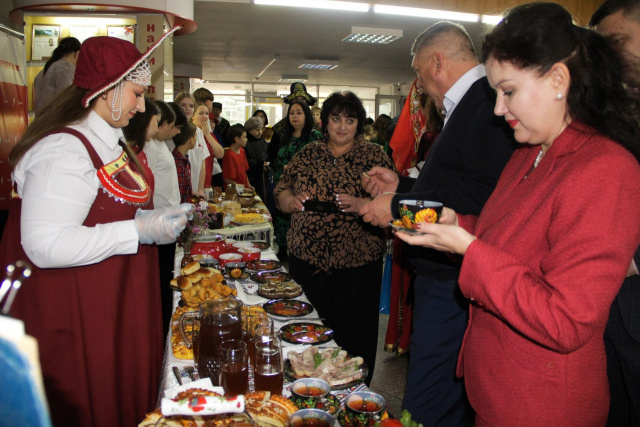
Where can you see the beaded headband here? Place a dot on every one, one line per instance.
(141, 75)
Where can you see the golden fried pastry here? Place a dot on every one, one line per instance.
(178, 345)
(191, 267)
(155, 419)
(287, 404)
(195, 277)
(195, 392)
(205, 272)
(269, 410)
(182, 282)
(266, 409)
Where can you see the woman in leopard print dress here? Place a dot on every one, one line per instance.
(333, 253)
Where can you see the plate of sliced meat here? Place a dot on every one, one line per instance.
(332, 364)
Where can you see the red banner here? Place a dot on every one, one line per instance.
(13, 105)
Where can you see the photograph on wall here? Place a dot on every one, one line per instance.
(44, 41)
(83, 32)
(124, 32)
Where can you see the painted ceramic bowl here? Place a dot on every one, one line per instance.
(413, 211)
(364, 408)
(235, 270)
(311, 417)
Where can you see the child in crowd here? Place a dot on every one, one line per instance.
(234, 162)
(184, 141)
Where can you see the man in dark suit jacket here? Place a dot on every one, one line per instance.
(461, 171)
(619, 20)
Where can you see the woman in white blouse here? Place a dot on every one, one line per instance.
(77, 213)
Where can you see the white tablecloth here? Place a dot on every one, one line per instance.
(168, 379)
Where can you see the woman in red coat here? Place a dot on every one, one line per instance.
(546, 257)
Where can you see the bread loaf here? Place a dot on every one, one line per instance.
(181, 282)
(191, 267)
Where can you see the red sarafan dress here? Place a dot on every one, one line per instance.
(98, 326)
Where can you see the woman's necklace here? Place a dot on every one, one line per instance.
(537, 160)
(535, 163)
(338, 152)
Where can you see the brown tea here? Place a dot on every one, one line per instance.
(310, 391)
(268, 379)
(309, 422)
(363, 405)
(235, 379)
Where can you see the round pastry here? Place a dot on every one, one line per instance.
(184, 283)
(195, 277)
(206, 272)
(191, 267)
(181, 282)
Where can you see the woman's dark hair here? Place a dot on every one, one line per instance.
(66, 45)
(266, 118)
(234, 132)
(308, 122)
(187, 132)
(136, 131)
(347, 104)
(381, 125)
(166, 113)
(181, 118)
(435, 123)
(67, 109)
(536, 36)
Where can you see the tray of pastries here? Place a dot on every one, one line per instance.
(178, 344)
(265, 410)
(198, 284)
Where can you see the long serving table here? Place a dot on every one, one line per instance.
(169, 381)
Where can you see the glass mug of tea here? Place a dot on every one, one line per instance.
(268, 371)
(234, 375)
(219, 320)
(259, 326)
(311, 393)
(364, 408)
(311, 418)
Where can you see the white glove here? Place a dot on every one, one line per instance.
(162, 226)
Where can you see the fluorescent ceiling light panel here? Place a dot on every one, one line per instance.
(425, 13)
(292, 78)
(319, 64)
(318, 4)
(491, 19)
(372, 35)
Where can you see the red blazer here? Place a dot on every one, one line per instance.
(551, 254)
